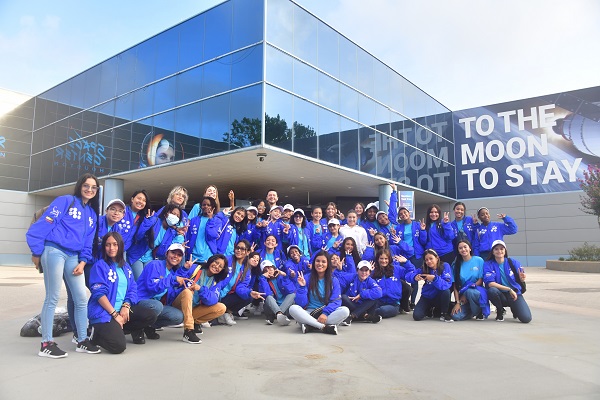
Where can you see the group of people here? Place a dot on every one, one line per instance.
(149, 269)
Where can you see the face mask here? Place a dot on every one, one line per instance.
(172, 220)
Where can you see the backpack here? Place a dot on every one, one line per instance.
(517, 276)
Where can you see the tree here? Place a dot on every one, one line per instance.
(590, 184)
(244, 134)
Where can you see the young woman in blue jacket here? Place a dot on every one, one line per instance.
(203, 232)
(361, 294)
(471, 297)
(319, 292)
(135, 213)
(160, 231)
(463, 225)
(390, 274)
(233, 226)
(299, 234)
(113, 304)
(279, 292)
(437, 278)
(504, 279)
(487, 232)
(439, 233)
(62, 239)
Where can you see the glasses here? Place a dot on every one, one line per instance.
(298, 216)
(88, 187)
(240, 248)
(116, 210)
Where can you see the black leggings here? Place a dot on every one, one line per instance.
(111, 337)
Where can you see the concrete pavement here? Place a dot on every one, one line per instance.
(556, 356)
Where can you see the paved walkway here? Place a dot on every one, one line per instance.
(556, 356)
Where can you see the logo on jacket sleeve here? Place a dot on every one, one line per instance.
(75, 213)
(91, 220)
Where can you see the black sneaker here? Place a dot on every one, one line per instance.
(138, 337)
(87, 347)
(151, 333)
(51, 350)
(198, 329)
(190, 337)
(330, 329)
(479, 317)
(270, 321)
(446, 318)
(347, 321)
(375, 318)
(307, 328)
(500, 317)
(411, 306)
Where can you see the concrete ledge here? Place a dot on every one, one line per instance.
(574, 266)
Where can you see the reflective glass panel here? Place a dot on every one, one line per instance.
(246, 66)
(245, 116)
(349, 144)
(305, 36)
(329, 92)
(187, 129)
(305, 123)
(165, 94)
(215, 125)
(167, 50)
(382, 87)
(280, 15)
(142, 102)
(247, 22)
(328, 50)
(146, 61)
(218, 30)
(191, 42)
(143, 143)
(305, 81)
(278, 118)
(365, 72)
(329, 136)
(92, 86)
(126, 71)
(189, 86)
(217, 77)
(348, 63)
(348, 102)
(383, 155)
(280, 70)
(367, 150)
(108, 79)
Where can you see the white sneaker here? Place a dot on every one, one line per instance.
(283, 320)
(228, 318)
(205, 324)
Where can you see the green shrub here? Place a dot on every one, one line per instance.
(561, 259)
(587, 252)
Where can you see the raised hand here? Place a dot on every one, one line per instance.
(423, 225)
(301, 280)
(188, 264)
(446, 217)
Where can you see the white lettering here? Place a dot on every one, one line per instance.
(518, 179)
(467, 123)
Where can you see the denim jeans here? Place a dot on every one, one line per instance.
(303, 316)
(165, 315)
(519, 307)
(471, 307)
(56, 266)
(359, 310)
(441, 302)
(387, 310)
(137, 268)
(272, 308)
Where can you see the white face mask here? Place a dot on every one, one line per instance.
(172, 220)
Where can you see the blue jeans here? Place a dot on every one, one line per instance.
(441, 302)
(359, 309)
(165, 315)
(137, 268)
(471, 307)
(519, 307)
(56, 266)
(387, 310)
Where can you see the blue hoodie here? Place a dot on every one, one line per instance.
(211, 233)
(440, 240)
(491, 273)
(335, 300)
(392, 286)
(155, 223)
(368, 289)
(284, 284)
(441, 282)
(154, 280)
(485, 235)
(301, 266)
(74, 232)
(104, 281)
(103, 229)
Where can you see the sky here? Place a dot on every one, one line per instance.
(464, 53)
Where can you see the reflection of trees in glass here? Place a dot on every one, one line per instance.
(247, 132)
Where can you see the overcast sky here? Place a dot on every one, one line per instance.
(465, 53)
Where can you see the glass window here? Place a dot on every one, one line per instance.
(280, 15)
(329, 136)
(165, 94)
(396, 85)
(348, 64)
(126, 71)
(189, 86)
(92, 86)
(328, 50)
(191, 42)
(305, 81)
(305, 36)
(165, 121)
(349, 143)
(348, 102)
(399, 162)
(105, 114)
(280, 70)
(247, 22)
(365, 72)
(142, 144)
(305, 123)
(108, 79)
(367, 150)
(218, 30)
(146, 62)
(40, 112)
(383, 155)
(246, 66)
(246, 122)
(278, 118)
(366, 110)
(329, 92)
(382, 118)
(142, 102)
(64, 93)
(187, 129)
(382, 76)
(217, 77)
(215, 125)
(89, 122)
(121, 148)
(124, 106)
(167, 50)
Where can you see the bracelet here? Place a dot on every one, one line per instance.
(114, 314)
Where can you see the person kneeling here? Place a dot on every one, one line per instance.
(279, 292)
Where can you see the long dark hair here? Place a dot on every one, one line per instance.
(426, 269)
(221, 275)
(240, 227)
(264, 214)
(428, 219)
(247, 265)
(379, 271)
(144, 211)
(119, 258)
(313, 283)
(355, 255)
(213, 204)
(303, 223)
(161, 217)
(94, 201)
(459, 260)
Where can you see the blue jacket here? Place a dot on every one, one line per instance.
(485, 235)
(208, 294)
(274, 228)
(440, 240)
(284, 283)
(242, 283)
(368, 289)
(74, 232)
(225, 232)
(491, 273)
(483, 297)
(137, 247)
(400, 249)
(154, 280)
(252, 235)
(294, 238)
(392, 286)
(321, 240)
(301, 266)
(468, 231)
(211, 233)
(335, 300)
(442, 281)
(104, 281)
(315, 244)
(155, 224)
(103, 230)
